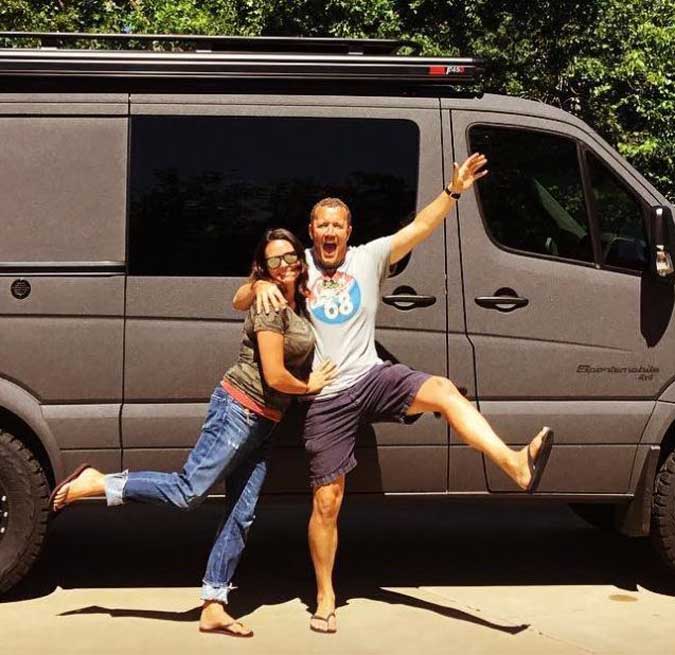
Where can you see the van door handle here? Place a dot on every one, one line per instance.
(504, 300)
(405, 298)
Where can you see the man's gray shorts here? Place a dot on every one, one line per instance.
(384, 394)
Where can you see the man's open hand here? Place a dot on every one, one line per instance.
(465, 175)
(268, 296)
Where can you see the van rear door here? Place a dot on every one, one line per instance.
(62, 264)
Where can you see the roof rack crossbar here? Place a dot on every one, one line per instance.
(219, 43)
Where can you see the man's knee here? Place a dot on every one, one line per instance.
(443, 390)
(327, 501)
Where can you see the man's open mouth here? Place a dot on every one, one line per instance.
(329, 248)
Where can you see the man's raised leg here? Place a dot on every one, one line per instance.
(323, 541)
(439, 394)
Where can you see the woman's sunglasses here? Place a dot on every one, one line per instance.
(289, 258)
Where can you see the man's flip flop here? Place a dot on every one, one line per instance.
(63, 483)
(326, 620)
(538, 464)
(226, 630)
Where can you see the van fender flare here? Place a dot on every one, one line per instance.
(24, 405)
(668, 394)
(634, 519)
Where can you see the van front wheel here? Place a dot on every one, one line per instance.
(663, 511)
(24, 493)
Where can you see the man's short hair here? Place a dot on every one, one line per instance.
(331, 203)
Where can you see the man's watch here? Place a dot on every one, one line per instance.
(453, 194)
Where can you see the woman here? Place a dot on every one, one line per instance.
(274, 363)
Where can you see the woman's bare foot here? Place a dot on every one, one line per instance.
(215, 618)
(522, 471)
(87, 484)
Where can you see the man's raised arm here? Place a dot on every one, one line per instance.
(435, 212)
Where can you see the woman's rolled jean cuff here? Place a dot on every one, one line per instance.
(218, 593)
(114, 488)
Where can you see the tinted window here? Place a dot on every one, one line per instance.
(620, 217)
(204, 189)
(532, 199)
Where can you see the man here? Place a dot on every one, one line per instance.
(344, 284)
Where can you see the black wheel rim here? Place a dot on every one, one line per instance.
(4, 512)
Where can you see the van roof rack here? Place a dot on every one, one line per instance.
(218, 43)
(370, 64)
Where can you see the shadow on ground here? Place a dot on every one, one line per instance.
(385, 543)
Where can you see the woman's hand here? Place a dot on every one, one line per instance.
(465, 175)
(319, 378)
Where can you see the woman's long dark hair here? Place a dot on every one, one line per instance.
(259, 269)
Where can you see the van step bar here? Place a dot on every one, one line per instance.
(236, 58)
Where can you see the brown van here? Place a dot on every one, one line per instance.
(135, 184)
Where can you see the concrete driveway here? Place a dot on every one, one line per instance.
(426, 576)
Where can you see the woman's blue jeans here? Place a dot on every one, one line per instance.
(234, 446)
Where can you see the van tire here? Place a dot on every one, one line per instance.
(23, 512)
(663, 511)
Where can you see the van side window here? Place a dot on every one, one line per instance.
(620, 218)
(204, 188)
(532, 200)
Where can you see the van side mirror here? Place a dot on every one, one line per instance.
(661, 230)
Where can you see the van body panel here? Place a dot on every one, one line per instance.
(391, 468)
(68, 99)
(465, 466)
(460, 350)
(54, 109)
(140, 100)
(466, 469)
(73, 329)
(72, 359)
(576, 422)
(577, 469)
(182, 334)
(63, 186)
(84, 426)
(64, 295)
(661, 420)
(177, 360)
(106, 461)
(668, 395)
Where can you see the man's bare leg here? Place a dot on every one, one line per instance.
(439, 394)
(323, 541)
(90, 484)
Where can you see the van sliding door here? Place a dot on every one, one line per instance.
(208, 175)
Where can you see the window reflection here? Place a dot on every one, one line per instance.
(203, 189)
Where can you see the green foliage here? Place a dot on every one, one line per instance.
(608, 61)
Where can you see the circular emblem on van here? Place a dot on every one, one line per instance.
(20, 289)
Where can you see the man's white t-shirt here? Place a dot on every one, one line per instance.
(343, 307)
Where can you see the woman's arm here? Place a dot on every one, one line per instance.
(277, 376)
